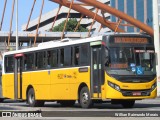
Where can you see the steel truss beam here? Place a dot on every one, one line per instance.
(88, 13)
(120, 15)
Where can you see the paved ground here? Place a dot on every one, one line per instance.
(142, 108)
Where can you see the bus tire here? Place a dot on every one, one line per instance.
(85, 98)
(67, 103)
(128, 103)
(41, 103)
(1, 100)
(31, 99)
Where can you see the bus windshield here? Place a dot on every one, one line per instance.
(131, 60)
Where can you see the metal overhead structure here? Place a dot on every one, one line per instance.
(9, 35)
(78, 23)
(120, 15)
(30, 14)
(88, 13)
(56, 17)
(93, 22)
(67, 18)
(80, 7)
(4, 9)
(38, 22)
(113, 26)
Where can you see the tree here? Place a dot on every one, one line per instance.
(70, 27)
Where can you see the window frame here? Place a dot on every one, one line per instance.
(7, 56)
(57, 52)
(44, 60)
(34, 59)
(81, 57)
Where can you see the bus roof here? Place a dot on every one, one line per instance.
(54, 44)
(67, 41)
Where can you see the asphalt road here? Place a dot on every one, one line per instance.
(143, 109)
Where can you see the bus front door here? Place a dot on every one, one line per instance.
(18, 76)
(96, 71)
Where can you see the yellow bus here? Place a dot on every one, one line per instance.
(116, 67)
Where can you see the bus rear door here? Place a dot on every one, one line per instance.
(18, 76)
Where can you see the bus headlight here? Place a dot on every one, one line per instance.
(116, 87)
(154, 86)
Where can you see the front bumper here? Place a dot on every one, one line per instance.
(129, 94)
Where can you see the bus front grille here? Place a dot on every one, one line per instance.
(134, 93)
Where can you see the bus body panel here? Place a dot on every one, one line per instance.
(79, 78)
(8, 85)
(128, 86)
(41, 84)
(59, 84)
(1, 96)
(114, 94)
(40, 81)
(65, 83)
(25, 83)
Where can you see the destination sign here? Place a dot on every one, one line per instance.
(118, 65)
(133, 40)
(144, 51)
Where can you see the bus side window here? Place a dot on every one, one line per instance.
(25, 63)
(55, 58)
(40, 60)
(48, 59)
(76, 55)
(9, 64)
(52, 58)
(29, 61)
(106, 57)
(84, 54)
(61, 57)
(67, 56)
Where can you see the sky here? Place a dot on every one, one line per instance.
(24, 9)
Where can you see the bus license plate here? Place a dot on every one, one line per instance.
(136, 93)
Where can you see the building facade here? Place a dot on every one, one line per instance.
(48, 18)
(139, 9)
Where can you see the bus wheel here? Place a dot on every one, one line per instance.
(128, 103)
(1, 100)
(31, 99)
(67, 103)
(40, 103)
(85, 98)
